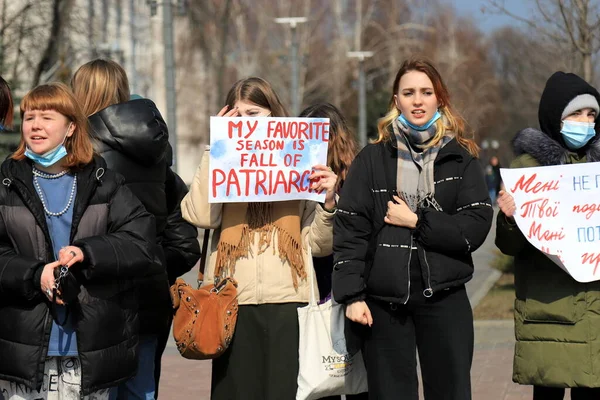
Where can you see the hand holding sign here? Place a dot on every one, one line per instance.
(558, 211)
(506, 203)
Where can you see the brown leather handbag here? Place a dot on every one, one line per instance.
(204, 318)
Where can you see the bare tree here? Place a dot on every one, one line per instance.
(55, 51)
(574, 23)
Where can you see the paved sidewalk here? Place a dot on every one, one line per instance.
(491, 372)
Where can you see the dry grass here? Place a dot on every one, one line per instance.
(499, 302)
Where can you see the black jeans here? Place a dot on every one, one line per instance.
(550, 393)
(440, 327)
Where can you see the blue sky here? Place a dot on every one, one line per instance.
(486, 21)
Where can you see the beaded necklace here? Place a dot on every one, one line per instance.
(37, 173)
(46, 175)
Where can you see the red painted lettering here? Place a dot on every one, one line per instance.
(591, 259)
(587, 209)
(533, 186)
(544, 235)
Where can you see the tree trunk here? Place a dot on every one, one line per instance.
(52, 54)
(588, 71)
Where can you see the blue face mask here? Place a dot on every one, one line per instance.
(577, 134)
(50, 157)
(424, 127)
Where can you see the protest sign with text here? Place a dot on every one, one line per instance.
(558, 211)
(265, 159)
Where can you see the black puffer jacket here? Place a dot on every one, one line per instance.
(372, 258)
(117, 237)
(133, 139)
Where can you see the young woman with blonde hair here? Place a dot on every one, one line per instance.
(62, 212)
(132, 137)
(413, 208)
(265, 247)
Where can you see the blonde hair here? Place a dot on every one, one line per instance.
(58, 97)
(454, 122)
(98, 84)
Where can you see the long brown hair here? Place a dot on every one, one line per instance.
(258, 91)
(58, 97)
(6, 104)
(342, 146)
(455, 123)
(98, 84)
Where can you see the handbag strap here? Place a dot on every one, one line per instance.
(203, 257)
(312, 296)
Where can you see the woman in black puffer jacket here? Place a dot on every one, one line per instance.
(133, 139)
(60, 207)
(413, 208)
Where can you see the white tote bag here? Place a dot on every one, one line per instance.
(326, 368)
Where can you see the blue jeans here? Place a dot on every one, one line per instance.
(493, 196)
(141, 386)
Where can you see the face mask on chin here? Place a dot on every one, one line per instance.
(50, 157)
(577, 134)
(423, 127)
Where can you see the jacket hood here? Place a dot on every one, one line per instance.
(548, 151)
(560, 89)
(135, 128)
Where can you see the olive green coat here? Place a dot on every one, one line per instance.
(557, 319)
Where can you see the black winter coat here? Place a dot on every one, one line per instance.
(117, 237)
(133, 139)
(373, 258)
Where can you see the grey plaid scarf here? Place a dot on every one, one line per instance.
(414, 181)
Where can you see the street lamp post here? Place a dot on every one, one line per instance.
(362, 96)
(293, 22)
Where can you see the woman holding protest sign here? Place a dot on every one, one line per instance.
(265, 247)
(413, 208)
(556, 317)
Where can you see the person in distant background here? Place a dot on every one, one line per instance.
(493, 179)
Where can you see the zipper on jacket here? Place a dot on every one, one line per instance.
(428, 292)
(409, 261)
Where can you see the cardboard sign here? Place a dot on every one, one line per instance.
(558, 211)
(265, 159)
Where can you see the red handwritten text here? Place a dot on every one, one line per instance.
(532, 186)
(539, 208)
(298, 130)
(544, 235)
(591, 259)
(265, 182)
(587, 209)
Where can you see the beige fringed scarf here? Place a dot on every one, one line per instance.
(242, 220)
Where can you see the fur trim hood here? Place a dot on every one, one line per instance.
(548, 151)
